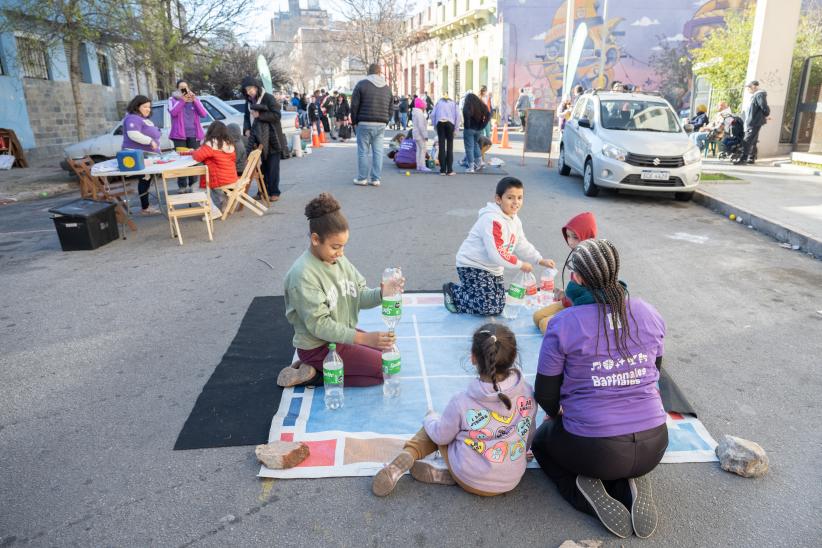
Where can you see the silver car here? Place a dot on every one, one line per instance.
(288, 119)
(107, 145)
(629, 141)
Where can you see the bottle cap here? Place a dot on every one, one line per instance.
(332, 346)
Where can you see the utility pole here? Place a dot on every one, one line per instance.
(569, 35)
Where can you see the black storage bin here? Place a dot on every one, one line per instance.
(85, 224)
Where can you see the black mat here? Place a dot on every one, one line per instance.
(673, 400)
(239, 400)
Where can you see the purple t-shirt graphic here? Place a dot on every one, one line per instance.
(605, 394)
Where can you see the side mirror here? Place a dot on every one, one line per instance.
(584, 122)
(689, 128)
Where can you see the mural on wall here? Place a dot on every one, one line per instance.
(635, 31)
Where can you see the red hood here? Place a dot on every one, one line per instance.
(584, 224)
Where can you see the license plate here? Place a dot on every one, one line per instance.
(650, 175)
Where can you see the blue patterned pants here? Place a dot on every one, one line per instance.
(479, 292)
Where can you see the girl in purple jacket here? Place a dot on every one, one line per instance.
(484, 432)
(185, 110)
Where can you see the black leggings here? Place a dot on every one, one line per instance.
(563, 456)
(142, 189)
(192, 143)
(270, 167)
(445, 134)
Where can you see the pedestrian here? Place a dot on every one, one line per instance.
(495, 242)
(597, 382)
(252, 90)
(295, 102)
(343, 116)
(324, 294)
(323, 113)
(403, 109)
(429, 104)
(371, 110)
(140, 133)
(264, 134)
(484, 432)
(485, 97)
(185, 110)
(564, 112)
(446, 117)
(314, 113)
(475, 117)
(330, 113)
(756, 116)
(395, 113)
(420, 132)
(714, 130)
(302, 111)
(578, 90)
(523, 104)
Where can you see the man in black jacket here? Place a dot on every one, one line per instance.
(370, 111)
(756, 116)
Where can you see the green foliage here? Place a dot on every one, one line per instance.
(723, 56)
(221, 71)
(673, 65)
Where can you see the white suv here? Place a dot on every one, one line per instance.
(629, 141)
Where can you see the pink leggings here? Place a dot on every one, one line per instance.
(362, 365)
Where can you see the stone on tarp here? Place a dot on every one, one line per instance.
(279, 455)
(742, 457)
(581, 544)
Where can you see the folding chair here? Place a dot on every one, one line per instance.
(198, 202)
(237, 192)
(97, 188)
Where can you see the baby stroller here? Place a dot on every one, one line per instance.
(732, 142)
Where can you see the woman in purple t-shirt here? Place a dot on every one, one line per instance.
(596, 379)
(141, 134)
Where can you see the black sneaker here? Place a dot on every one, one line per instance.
(448, 297)
(644, 516)
(613, 515)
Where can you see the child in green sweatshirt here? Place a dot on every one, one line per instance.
(324, 293)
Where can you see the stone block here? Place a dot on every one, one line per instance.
(279, 455)
(742, 457)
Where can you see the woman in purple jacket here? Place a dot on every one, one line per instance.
(597, 381)
(139, 133)
(185, 110)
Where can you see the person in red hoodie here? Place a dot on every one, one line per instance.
(580, 228)
(219, 154)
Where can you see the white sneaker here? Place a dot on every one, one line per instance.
(469, 170)
(375, 182)
(360, 182)
(151, 210)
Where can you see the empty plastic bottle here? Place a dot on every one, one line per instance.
(514, 298)
(333, 379)
(531, 289)
(392, 297)
(546, 286)
(391, 367)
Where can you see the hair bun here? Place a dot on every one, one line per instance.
(322, 205)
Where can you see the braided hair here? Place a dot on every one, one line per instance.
(596, 262)
(494, 348)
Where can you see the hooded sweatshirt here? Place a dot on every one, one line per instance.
(585, 226)
(371, 101)
(486, 441)
(496, 241)
(418, 119)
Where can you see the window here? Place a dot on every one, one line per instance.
(589, 110)
(578, 108)
(33, 57)
(637, 115)
(456, 80)
(102, 64)
(213, 111)
(158, 116)
(454, 8)
(2, 70)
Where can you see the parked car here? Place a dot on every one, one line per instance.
(629, 141)
(107, 145)
(288, 119)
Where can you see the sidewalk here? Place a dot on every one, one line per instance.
(782, 202)
(22, 184)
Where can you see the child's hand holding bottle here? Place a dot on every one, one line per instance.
(383, 340)
(526, 266)
(548, 263)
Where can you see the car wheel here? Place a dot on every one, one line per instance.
(561, 165)
(589, 187)
(683, 196)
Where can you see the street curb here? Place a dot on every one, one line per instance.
(780, 232)
(29, 195)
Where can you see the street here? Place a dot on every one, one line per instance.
(104, 353)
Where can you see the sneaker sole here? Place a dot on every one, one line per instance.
(644, 515)
(386, 479)
(426, 472)
(363, 183)
(613, 515)
(448, 299)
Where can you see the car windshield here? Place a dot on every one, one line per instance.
(638, 115)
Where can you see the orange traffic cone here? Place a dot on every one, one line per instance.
(495, 134)
(315, 140)
(505, 137)
(323, 138)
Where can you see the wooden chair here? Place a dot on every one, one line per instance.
(237, 192)
(97, 188)
(198, 202)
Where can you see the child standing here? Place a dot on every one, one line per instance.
(420, 132)
(580, 228)
(484, 432)
(324, 293)
(496, 242)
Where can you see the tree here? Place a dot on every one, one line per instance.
(723, 56)
(221, 70)
(673, 65)
(70, 23)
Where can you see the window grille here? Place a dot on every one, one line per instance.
(33, 57)
(102, 64)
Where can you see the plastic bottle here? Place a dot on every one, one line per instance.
(391, 297)
(333, 379)
(391, 367)
(531, 289)
(514, 298)
(546, 286)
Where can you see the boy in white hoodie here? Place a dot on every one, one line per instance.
(495, 242)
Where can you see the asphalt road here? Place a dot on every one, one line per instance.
(104, 353)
